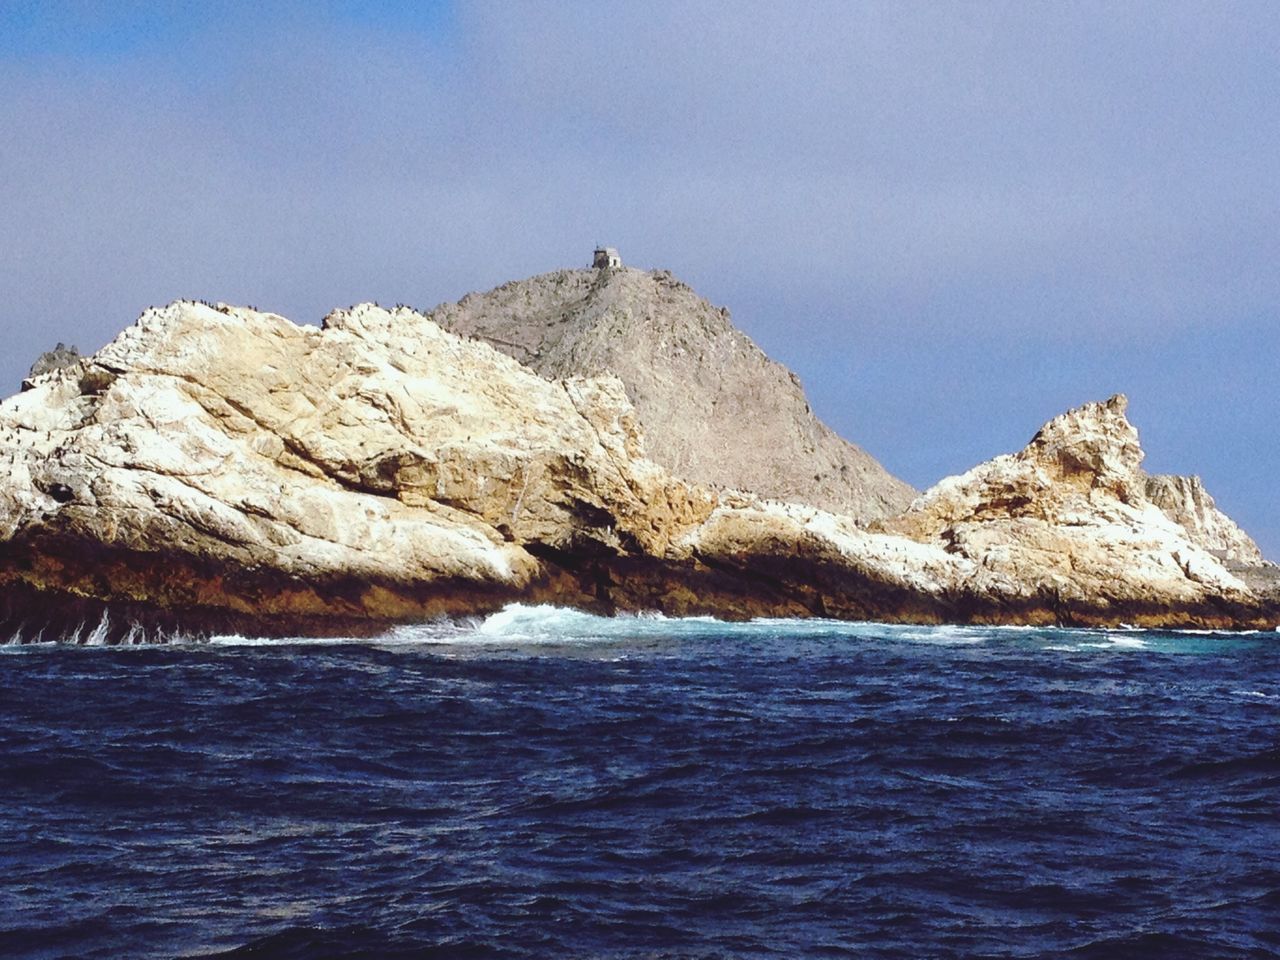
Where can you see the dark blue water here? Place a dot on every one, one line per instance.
(552, 785)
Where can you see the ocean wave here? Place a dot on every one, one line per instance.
(544, 625)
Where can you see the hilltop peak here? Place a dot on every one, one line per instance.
(713, 407)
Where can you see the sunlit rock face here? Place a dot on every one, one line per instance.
(1185, 501)
(334, 471)
(1068, 519)
(218, 468)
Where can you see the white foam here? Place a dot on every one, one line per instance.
(518, 621)
(1129, 643)
(550, 626)
(1257, 694)
(543, 623)
(97, 637)
(944, 636)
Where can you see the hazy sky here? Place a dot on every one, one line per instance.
(952, 220)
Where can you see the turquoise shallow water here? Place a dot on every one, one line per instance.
(547, 783)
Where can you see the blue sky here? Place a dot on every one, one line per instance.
(952, 220)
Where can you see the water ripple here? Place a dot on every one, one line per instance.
(545, 784)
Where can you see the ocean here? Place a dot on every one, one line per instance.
(544, 783)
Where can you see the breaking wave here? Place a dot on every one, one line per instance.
(524, 625)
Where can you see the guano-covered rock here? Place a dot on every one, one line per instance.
(221, 469)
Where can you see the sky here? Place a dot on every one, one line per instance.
(952, 220)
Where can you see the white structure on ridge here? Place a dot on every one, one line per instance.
(606, 257)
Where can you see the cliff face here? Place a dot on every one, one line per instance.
(219, 469)
(713, 408)
(1187, 503)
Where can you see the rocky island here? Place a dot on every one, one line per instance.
(601, 439)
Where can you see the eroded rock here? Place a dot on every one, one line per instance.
(218, 468)
(58, 358)
(1068, 519)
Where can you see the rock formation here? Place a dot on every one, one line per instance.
(55, 359)
(218, 469)
(1187, 503)
(713, 408)
(229, 461)
(1067, 523)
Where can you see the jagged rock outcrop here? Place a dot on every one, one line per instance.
(1187, 503)
(55, 359)
(1068, 520)
(219, 469)
(714, 409)
(228, 460)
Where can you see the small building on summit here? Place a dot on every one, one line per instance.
(606, 257)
